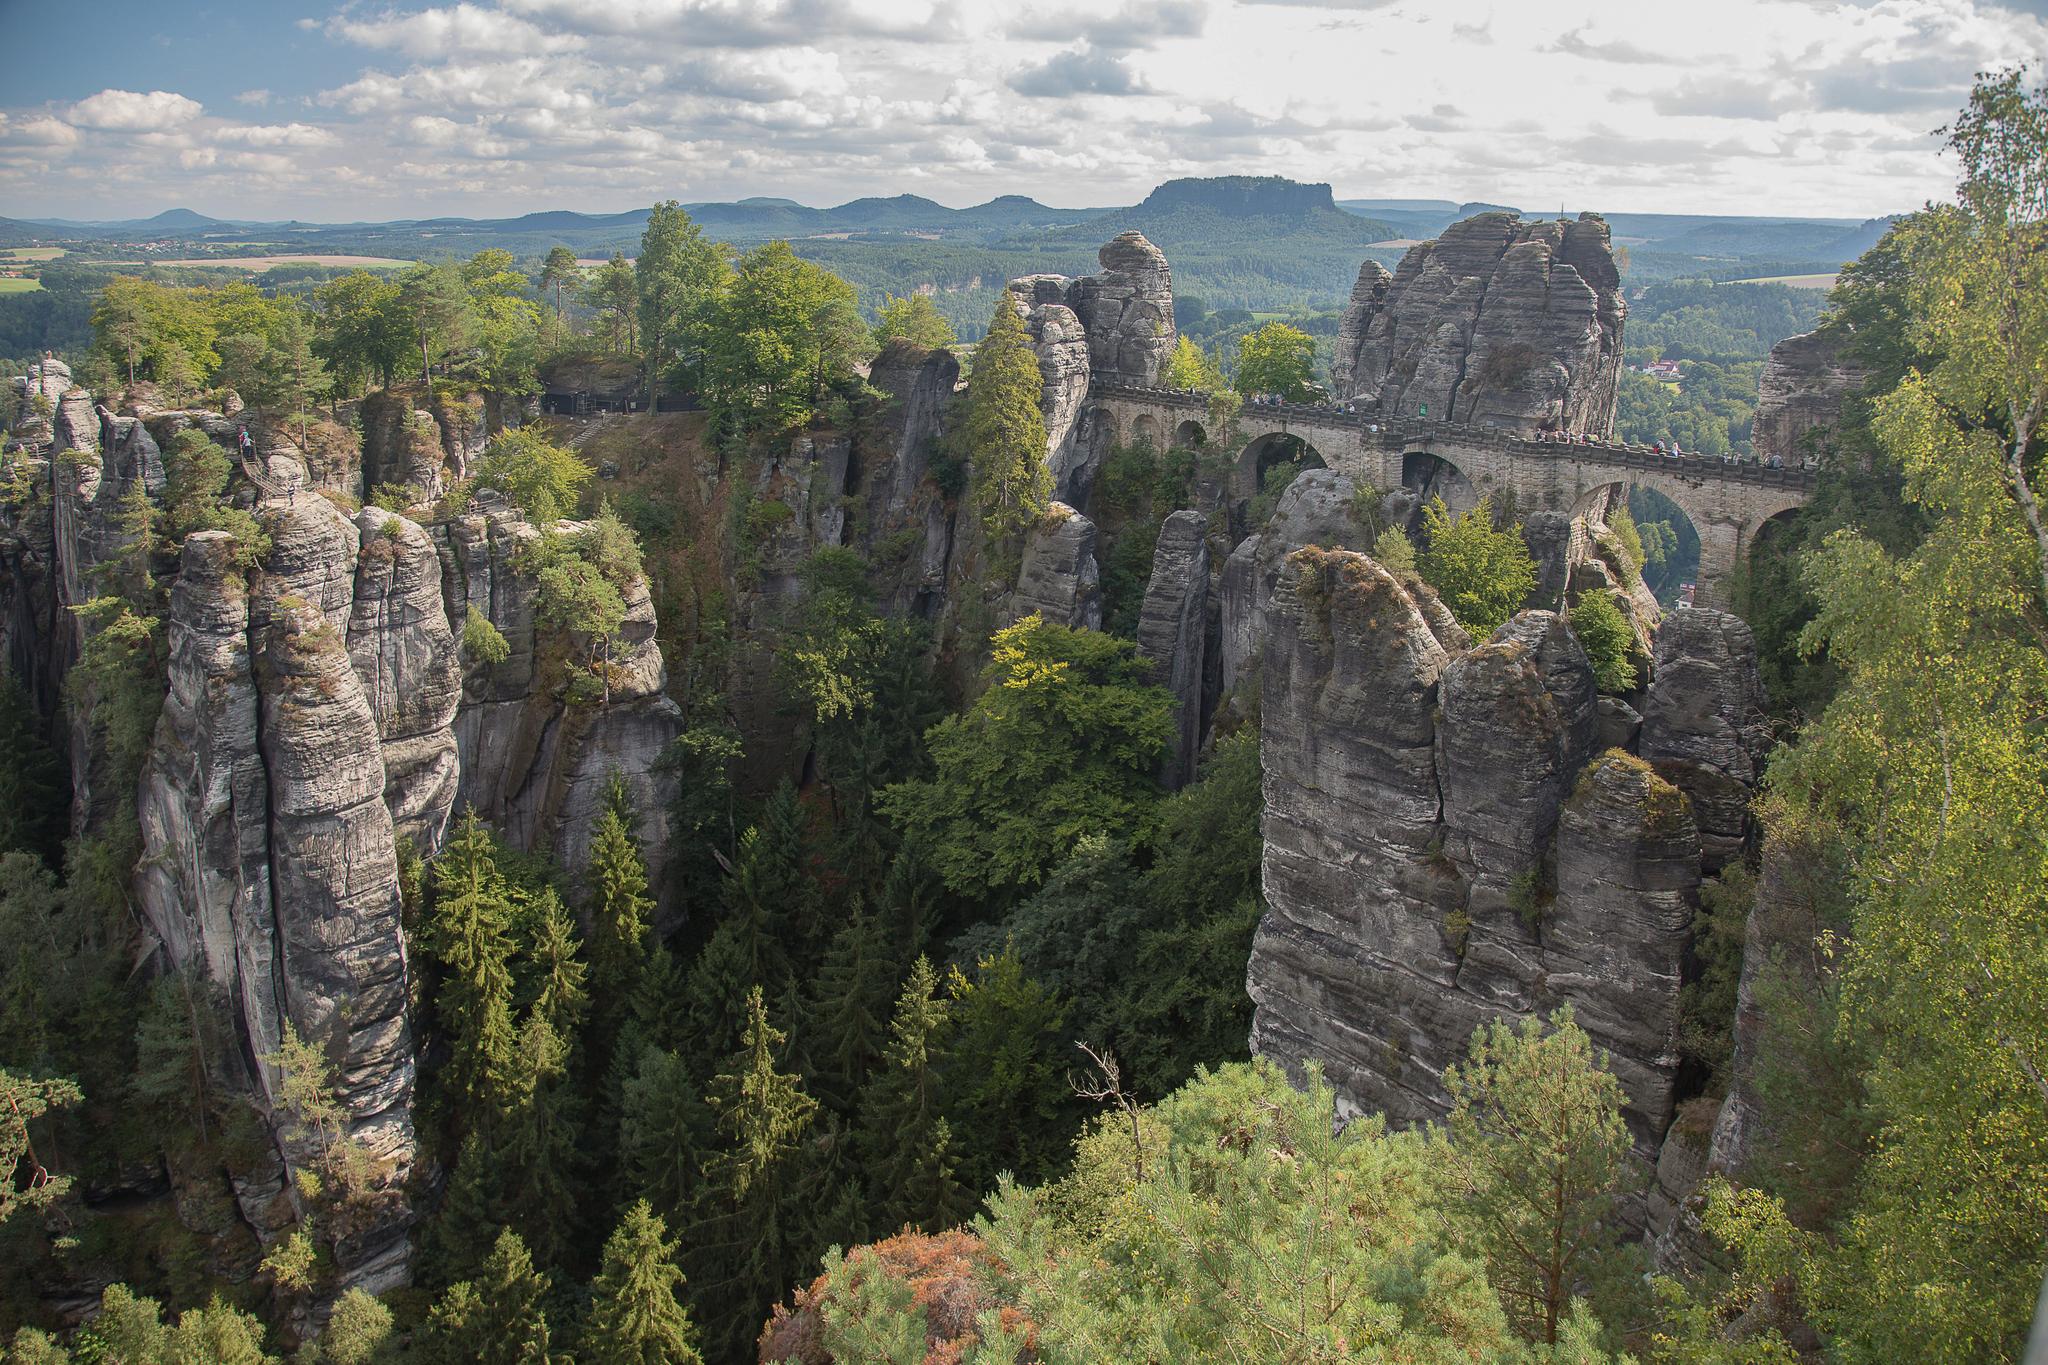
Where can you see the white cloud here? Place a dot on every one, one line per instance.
(126, 111)
(527, 104)
(276, 135)
(464, 30)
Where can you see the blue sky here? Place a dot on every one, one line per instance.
(327, 110)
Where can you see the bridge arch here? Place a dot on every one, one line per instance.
(1429, 475)
(1190, 435)
(1271, 451)
(1147, 431)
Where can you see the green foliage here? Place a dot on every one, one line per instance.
(1190, 367)
(1706, 1029)
(471, 938)
(1006, 1092)
(1482, 573)
(612, 292)
(635, 1318)
(1061, 744)
(32, 1185)
(1927, 769)
(129, 1330)
(1249, 1225)
(1535, 1159)
(483, 644)
(678, 278)
(32, 787)
(1394, 551)
(358, 1331)
(542, 479)
(915, 320)
(1609, 642)
(1278, 359)
(497, 1318)
(611, 545)
(1003, 433)
(786, 331)
(905, 1139)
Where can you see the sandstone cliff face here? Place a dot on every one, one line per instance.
(1118, 324)
(318, 710)
(1706, 723)
(1172, 634)
(1058, 578)
(1498, 322)
(1799, 397)
(1443, 847)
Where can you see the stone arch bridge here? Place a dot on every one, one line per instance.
(1728, 501)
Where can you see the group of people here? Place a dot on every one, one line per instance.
(1671, 448)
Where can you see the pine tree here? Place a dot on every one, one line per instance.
(1536, 1158)
(635, 1318)
(536, 1150)
(741, 1248)
(1004, 432)
(498, 1318)
(906, 1141)
(472, 939)
(846, 1019)
(561, 996)
(619, 912)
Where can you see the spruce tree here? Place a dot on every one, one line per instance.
(846, 1018)
(471, 1214)
(664, 1130)
(536, 1151)
(1004, 431)
(635, 1318)
(741, 1249)
(498, 1318)
(906, 1141)
(1006, 1091)
(472, 939)
(771, 894)
(619, 912)
(714, 996)
(560, 994)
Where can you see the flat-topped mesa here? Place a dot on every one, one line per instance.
(1498, 322)
(1118, 324)
(1799, 397)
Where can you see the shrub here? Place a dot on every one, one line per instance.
(1395, 551)
(541, 478)
(611, 545)
(1482, 572)
(1608, 641)
(482, 642)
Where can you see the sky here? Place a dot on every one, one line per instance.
(363, 110)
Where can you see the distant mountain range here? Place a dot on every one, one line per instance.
(1242, 242)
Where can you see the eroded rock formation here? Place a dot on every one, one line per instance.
(1447, 843)
(318, 710)
(1172, 633)
(1799, 397)
(1058, 578)
(1118, 324)
(1498, 322)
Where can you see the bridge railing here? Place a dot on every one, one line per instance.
(1406, 430)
